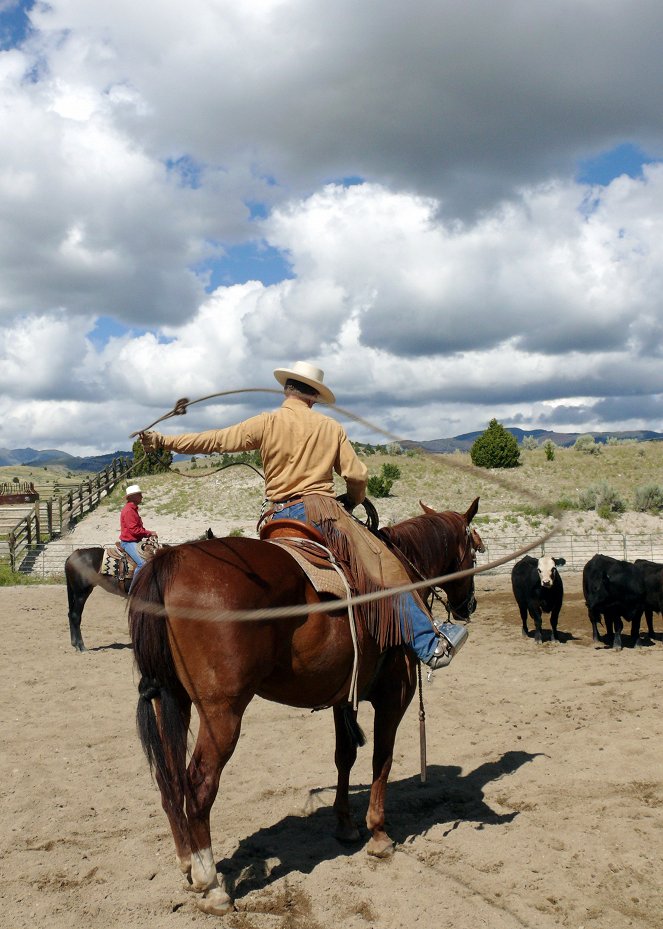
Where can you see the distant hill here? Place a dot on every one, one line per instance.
(465, 441)
(54, 458)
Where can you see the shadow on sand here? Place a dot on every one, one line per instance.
(300, 843)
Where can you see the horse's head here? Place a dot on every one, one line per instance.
(467, 541)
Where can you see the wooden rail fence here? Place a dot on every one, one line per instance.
(25, 529)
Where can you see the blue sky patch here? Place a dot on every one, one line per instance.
(14, 24)
(605, 167)
(188, 171)
(250, 261)
(107, 328)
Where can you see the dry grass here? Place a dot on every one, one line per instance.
(511, 500)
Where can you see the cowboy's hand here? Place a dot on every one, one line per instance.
(149, 441)
(346, 502)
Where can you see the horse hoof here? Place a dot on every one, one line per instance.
(215, 902)
(347, 834)
(380, 848)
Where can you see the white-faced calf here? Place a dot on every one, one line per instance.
(537, 587)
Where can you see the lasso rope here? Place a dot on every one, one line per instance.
(180, 409)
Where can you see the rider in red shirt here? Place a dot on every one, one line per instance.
(132, 529)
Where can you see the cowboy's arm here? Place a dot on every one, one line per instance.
(353, 471)
(242, 437)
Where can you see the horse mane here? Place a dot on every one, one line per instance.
(422, 538)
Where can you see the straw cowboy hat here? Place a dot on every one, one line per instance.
(132, 489)
(307, 374)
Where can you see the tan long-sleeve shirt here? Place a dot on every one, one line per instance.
(300, 450)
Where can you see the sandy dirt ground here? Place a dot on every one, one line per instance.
(543, 805)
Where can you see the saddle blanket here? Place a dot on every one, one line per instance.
(322, 575)
(116, 563)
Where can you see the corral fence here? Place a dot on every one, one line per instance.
(26, 529)
(577, 550)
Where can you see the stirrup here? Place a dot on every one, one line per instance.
(452, 638)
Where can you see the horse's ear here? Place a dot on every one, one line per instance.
(472, 512)
(210, 534)
(426, 508)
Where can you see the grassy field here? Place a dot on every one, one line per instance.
(49, 480)
(527, 493)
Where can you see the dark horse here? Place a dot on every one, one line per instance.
(82, 574)
(187, 653)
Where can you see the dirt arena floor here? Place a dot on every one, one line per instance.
(543, 805)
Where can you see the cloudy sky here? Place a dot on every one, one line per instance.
(454, 209)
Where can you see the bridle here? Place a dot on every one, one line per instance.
(435, 591)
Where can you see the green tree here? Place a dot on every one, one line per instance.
(495, 448)
(150, 462)
(549, 448)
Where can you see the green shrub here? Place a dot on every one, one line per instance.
(379, 486)
(549, 448)
(530, 443)
(649, 498)
(602, 498)
(587, 445)
(391, 471)
(495, 448)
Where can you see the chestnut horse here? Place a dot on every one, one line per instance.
(192, 646)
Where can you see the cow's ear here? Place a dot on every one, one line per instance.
(559, 561)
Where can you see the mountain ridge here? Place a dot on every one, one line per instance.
(51, 456)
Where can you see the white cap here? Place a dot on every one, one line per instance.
(132, 489)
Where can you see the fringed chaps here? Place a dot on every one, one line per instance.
(369, 567)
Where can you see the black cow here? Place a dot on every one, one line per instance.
(652, 578)
(538, 589)
(614, 590)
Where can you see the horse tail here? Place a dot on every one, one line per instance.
(353, 729)
(163, 736)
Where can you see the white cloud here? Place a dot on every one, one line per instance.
(469, 277)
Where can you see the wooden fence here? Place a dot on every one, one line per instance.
(49, 560)
(25, 530)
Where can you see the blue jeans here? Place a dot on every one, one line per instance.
(414, 622)
(131, 548)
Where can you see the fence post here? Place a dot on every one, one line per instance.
(12, 551)
(625, 548)
(37, 522)
(49, 518)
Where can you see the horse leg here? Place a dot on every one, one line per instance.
(77, 597)
(391, 696)
(172, 793)
(220, 725)
(345, 756)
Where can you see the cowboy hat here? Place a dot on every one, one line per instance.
(307, 374)
(132, 489)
